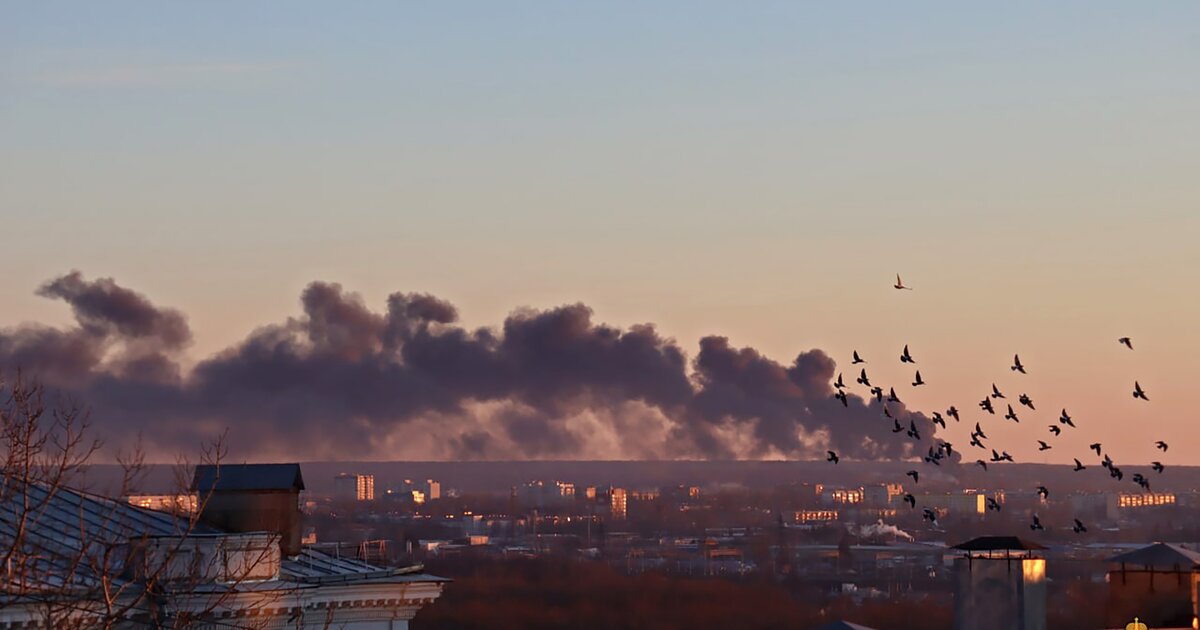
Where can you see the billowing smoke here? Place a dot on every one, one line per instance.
(345, 381)
(879, 529)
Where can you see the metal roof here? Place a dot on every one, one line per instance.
(842, 625)
(998, 543)
(1160, 555)
(247, 477)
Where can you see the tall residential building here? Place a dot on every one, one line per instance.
(619, 500)
(347, 487)
(432, 489)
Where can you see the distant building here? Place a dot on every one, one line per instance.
(432, 490)
(348, 487)
(1158, 584)
(814, 516)
(955, 503)
(174, 503)
(1119, 505)
(1000, 584)
(842, 496)
(544, 494)
(882, 494)
(619, 500)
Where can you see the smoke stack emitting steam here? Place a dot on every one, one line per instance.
(343, 381)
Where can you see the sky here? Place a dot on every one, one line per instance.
(755, 172)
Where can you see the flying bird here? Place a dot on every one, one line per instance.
(1036, 525)
(992, 504)
(996, 456)
(1078, 465)
(1042, 446)
(929, 515)
(934, 458)
(1065, 419)
(910, 500)
(939, 420)
(831, 456)
(1138, 392)
(986, 405)
(1107, 463)
(1027, 401)
(900, 284)
(982, 464)
(1116, 473)
(917, 381)
(1078, 528)
(1126, 341)
(979, 431)
(898, 428)
(1095, 447)
(857, 359)
(1016, 366)
(887, 413)
(1140, 480)
(975, 441)
(1011, 415)
(953, 413)
(1157, 466)
(1054, 428)
(892, 397)
(916, 476)
(912, 430)
(1005, 456)
(1161, 445)
(1043, 492)
(862, 378)
(839, 383)
(949, 448)
(996, 392)
(877, 392)
(841, 395)
(905, 357)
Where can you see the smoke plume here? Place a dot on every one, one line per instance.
(344, 381)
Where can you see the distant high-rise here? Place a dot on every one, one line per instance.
(619, 499)
(432, 490)
(347, 487)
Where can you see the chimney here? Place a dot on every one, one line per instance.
(252, 498)
(1000, 584)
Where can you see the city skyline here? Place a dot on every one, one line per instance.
(758, 174)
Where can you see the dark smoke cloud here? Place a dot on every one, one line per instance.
(342, 380)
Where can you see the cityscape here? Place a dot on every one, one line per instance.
(670, 315)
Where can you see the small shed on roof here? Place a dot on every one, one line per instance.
(248, 478)
(1160, 556)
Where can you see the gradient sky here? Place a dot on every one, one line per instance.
(757, 171)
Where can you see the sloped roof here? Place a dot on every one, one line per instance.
(1160, 555)
(998, 543)
(247, 477)
(842, 625)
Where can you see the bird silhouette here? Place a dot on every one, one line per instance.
(979, 431)
(897, 428)
(986, 405)
(857, 359)
(1107, 463)
(1043, 492)
(953, 413)
(900, 284)
(910, 500)
(1161, 445)
(1116, 473)
(992, 504)
(1036, 525)
(831, 456)
(887, 413)
(1095, 447)
(996, 392)
(981, 463)
(929, 515)
(1157, 466)
(949, 448)
(1078, 528)
(1126, 341)
(917, 381)
(839, 383)
(1078, 465)
(1140, 480)
(912, 430)
(841, 395)
(1138, 392)
(934, 457)
(1066, 419)
(1027, 401)
(1042, 446)
(877, 392)
(916, 476)
(996, 456)
(975, 441)
(939, 420)
(1016, 366)
(892, 397)
(1006, 457)
(1054, 428)
(905, 357)
(862, 378)
(1011, 415)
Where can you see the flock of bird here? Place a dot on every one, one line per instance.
(944, 449)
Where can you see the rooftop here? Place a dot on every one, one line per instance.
(247, 477)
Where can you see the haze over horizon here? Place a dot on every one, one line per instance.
(749, 180)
